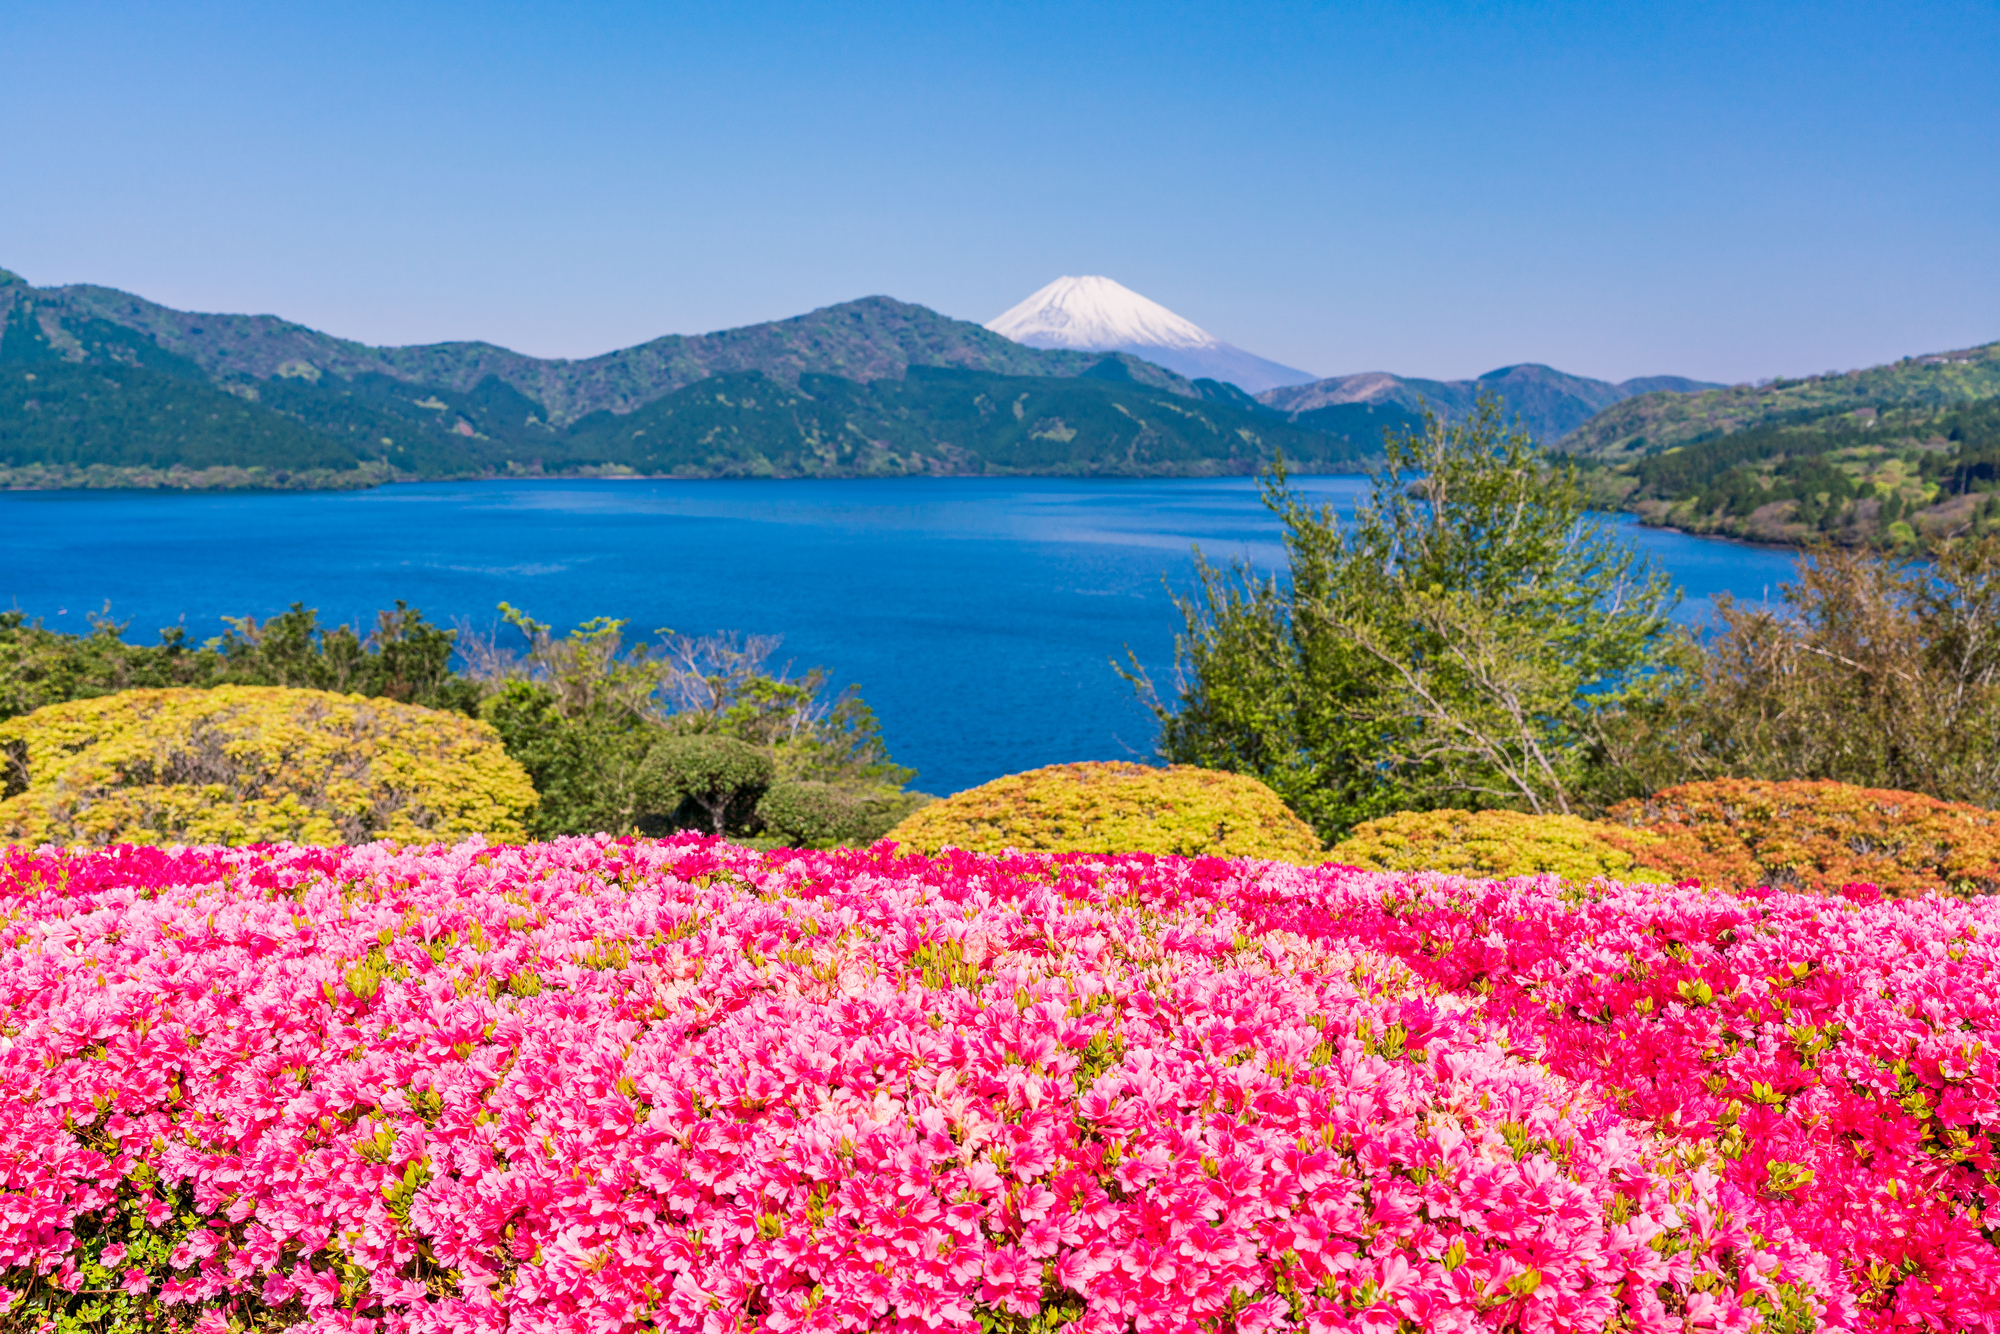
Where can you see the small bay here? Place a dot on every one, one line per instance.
(978, 616)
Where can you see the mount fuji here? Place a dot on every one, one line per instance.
(1099, 315)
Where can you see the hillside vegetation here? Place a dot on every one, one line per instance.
(1893, 455)
(100, 388)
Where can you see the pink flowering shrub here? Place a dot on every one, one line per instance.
(1836, 1060)
(603, 1085)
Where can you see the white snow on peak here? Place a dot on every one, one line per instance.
(1098, 314)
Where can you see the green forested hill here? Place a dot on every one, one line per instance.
(1650, 423)
(945, 421)
(60, 415)
(1895, 454)
(94, 393)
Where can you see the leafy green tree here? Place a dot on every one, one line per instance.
(405, 658)
(813, 814)
(584, 765)
(720, 776)
(1462, 641)
(1875, 670)
(40, 666)
(584, 712)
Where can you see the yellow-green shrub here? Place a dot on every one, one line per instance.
(1116, 807)
(249, 764)
(1496, 844)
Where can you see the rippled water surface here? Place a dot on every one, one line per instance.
(979, 617)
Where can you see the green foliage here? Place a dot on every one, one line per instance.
(1496, 844)
(813, 814)
(1461, 642)
(404, 658)
(720, 776)
(1875, 671)
(579, 713)
(1115, 807)
(584, 712)
(584, 766)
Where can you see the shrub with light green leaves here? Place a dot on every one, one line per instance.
(254, 764)
(1116, 807)
(1496, 845)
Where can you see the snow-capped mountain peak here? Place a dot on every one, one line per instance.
(1097, 314)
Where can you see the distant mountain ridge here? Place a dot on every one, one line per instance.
(872, 338)
(100, 387)
(1097, 314)
(1549, 403)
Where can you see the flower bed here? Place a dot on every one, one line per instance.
(610, 1085)
(1835, 1059)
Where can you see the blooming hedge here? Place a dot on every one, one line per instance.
(1815, 835)
(1116, 807)
(1836, 1059)
(246, 764)
(1496, 843)
(615, 1085)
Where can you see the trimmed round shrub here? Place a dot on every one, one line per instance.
(1737, 833)
(722, 777)
(254, 764)
(1496, 845)
(817, 815)
(1116, 807)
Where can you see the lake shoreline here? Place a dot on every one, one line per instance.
(978, 620)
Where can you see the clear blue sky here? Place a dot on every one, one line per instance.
(1724, 190)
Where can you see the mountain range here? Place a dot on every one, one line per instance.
(1548, 403)
(101, 387)
(1096, 314)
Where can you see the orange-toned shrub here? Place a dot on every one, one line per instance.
(1735, 833)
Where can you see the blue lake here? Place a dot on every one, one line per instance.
(978, 617)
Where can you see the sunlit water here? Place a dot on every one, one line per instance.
(979, 617)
